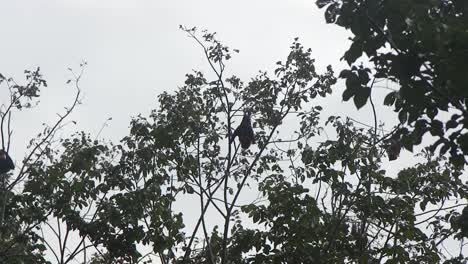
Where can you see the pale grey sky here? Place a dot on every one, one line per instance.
(135, 50)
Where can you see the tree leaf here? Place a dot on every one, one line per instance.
(390, 98)
(361, 96)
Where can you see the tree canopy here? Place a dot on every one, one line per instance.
(419, 45)
(312, 189)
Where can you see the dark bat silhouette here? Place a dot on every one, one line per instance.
(6, 164)
(244, 131)
(393, 149)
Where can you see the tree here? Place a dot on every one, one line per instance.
(315, 200)
(419, 45)
(20, 217)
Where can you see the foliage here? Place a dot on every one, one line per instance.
(319, 201)
(420, 45)
(328, 227)
(17, 237)
(20, 214)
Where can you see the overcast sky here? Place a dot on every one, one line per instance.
(135, 51)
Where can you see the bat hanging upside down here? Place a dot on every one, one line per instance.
(245, 132)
